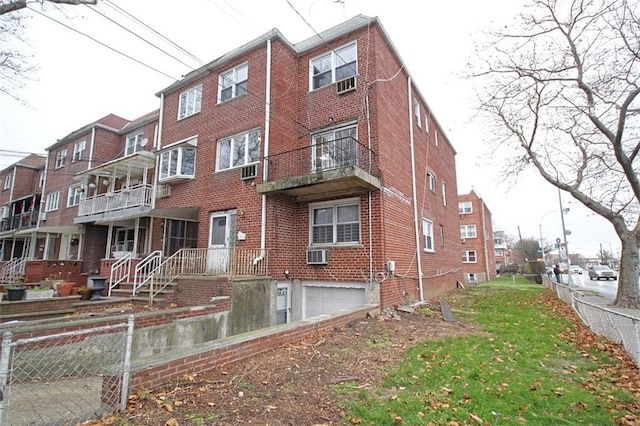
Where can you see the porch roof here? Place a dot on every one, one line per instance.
(61, 229)
(133, 165)
(177, 213)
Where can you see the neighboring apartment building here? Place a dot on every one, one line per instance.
(318, 164)
(20, 204)
(476, 236)
(502, 250)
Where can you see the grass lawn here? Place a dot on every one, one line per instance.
(534, 364)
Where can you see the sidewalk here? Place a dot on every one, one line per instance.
(604, 302)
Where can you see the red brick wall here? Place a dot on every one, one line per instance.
(68, 270)
(483, 245)
(194, 291)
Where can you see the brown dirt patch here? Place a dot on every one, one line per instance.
(295, 384)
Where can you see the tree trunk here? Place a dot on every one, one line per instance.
(628, 290)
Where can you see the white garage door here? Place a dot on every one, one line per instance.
(325, 300)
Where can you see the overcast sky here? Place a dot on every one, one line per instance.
(80, 80)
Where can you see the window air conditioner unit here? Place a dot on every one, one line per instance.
(43, 216)
(249, 172)
(318, 257)
(346, 85)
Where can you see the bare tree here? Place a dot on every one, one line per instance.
(561, 93)
(15, 64)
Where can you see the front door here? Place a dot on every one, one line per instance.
(222, 230)
(283, 303)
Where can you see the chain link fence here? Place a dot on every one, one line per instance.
(65, 378)
(616, 326)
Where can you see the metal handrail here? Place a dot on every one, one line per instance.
(120, 271)
(15, 266)
(149, 263)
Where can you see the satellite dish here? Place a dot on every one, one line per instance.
(144, 142)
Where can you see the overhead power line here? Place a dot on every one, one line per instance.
(103, 44)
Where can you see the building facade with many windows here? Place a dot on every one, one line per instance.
(317, 164)
(476, 237)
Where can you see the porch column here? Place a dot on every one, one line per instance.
(136, 233)
(109, 238)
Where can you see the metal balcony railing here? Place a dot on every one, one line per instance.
(135, 196)
(16, 222)
(319, 157)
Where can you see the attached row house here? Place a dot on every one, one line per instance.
(312, 175)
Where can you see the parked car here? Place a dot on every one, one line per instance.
(576, 270)
(602, 272)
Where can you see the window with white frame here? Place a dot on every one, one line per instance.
(334, 148)
(76, 193)
(444, 193)
(78, 150)
(469, 256)
(178, 162)
(431, 178)
(426, 123)
(53, 199)
(41, 180)
(471, 278)
(335, 223)
(499, 252)
(61, 157)
(233, 83)
(7, 181)
(468, 231)
(465, 207)
(134, 143)
(190, 102)
(427, 234)
(416, 112)
(238, 150)
(334, 66)
(436, 139)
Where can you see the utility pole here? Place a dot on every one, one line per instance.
(564, 235)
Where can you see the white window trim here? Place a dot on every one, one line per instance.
(130, 148)
(245, 135)
(462, 207)
(333, 64)
(465, 256)
(436, 140)
(234, 82)
(78, 150)
(61, 158)
(417, 112)
(75, 193)
(7, 181)
(464, 231)
(178, 174)
(431, 179)
(427, 224)
(53, 201)
(444, 193)
(335, 204)
(471, 277)
(197, 103)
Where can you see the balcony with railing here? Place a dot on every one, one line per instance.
(16, 222)
(114, 204)
(329, 168)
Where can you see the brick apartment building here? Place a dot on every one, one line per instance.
(19, 204)
(477, 238)
(320, 162)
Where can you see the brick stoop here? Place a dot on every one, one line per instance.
(166, 296)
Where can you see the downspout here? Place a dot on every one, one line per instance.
(43, 207)
(13, 185)
(93, 141)
(157, 144)
(265, 166)
(413, 187)
(366, 99)
(484, 236)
